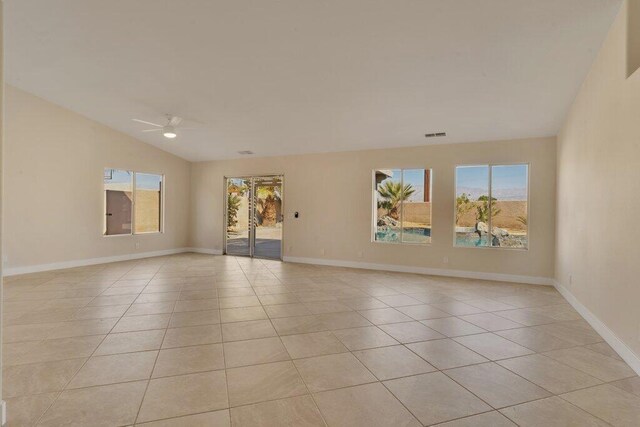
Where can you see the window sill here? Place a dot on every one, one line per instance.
(146, 233)
(504, 248)
(378, 242)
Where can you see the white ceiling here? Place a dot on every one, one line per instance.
(301, 76)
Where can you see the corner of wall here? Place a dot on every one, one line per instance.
(3, 407)
(633, 36)
(595, 173)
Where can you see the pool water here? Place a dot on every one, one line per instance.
(410, 235)
(470, 239)
(423, 235)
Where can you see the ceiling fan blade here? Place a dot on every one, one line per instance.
(147, 123)
(175, 121)
(152, 130)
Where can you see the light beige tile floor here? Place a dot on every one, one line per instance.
(198, 340)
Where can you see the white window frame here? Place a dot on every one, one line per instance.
(490, 184)
(374, 207)
(133, 205)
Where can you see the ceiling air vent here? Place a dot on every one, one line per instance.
(435, 135)
(245, 152)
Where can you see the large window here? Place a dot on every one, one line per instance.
(491, 207)
(402, 205)
(133, 202)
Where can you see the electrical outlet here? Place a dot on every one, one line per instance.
(322, 251)
(445, 260)
(359, 254)
(571, 279)
(137, 245)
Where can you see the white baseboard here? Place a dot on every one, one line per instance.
(14, 271)
(609, 336)
(532, 280)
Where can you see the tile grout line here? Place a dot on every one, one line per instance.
(144, 395)
(331, 331)
(315, 403)
(224, 361)
(53, 402)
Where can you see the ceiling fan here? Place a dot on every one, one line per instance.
(169, 130)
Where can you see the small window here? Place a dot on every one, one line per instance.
(492, 197)
(148, 203)
(402, 211)
(133, 202)
(118, 194)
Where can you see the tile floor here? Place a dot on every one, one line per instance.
(197, 340)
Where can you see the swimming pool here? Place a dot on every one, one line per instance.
(409, 234)
(472, 239)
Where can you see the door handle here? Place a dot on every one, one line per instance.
(109, 214)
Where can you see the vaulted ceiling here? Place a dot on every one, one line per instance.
(300, 76)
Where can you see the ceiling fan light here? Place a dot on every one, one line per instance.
(169, 132)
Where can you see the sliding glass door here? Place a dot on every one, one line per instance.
(254, 216)
(268, 217)
(238, 216)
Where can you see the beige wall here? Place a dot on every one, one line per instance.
(598, 239)
(54, 199)
(633, 36)
(1, 175)
(333, 194)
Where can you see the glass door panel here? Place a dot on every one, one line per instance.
(238, 227)
(268, 217)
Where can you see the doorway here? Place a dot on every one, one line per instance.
(254, 216)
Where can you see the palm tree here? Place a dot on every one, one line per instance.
(395, 193)
(233, 204)
(522, 219)
(268, 198)
(482, 209)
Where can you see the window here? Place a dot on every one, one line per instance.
(118, 193)
(148, 203)
(492, 197)
(133, 202)
(402, 210)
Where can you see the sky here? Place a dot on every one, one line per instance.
(509, 182)
(143, 180)
(415, 177)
